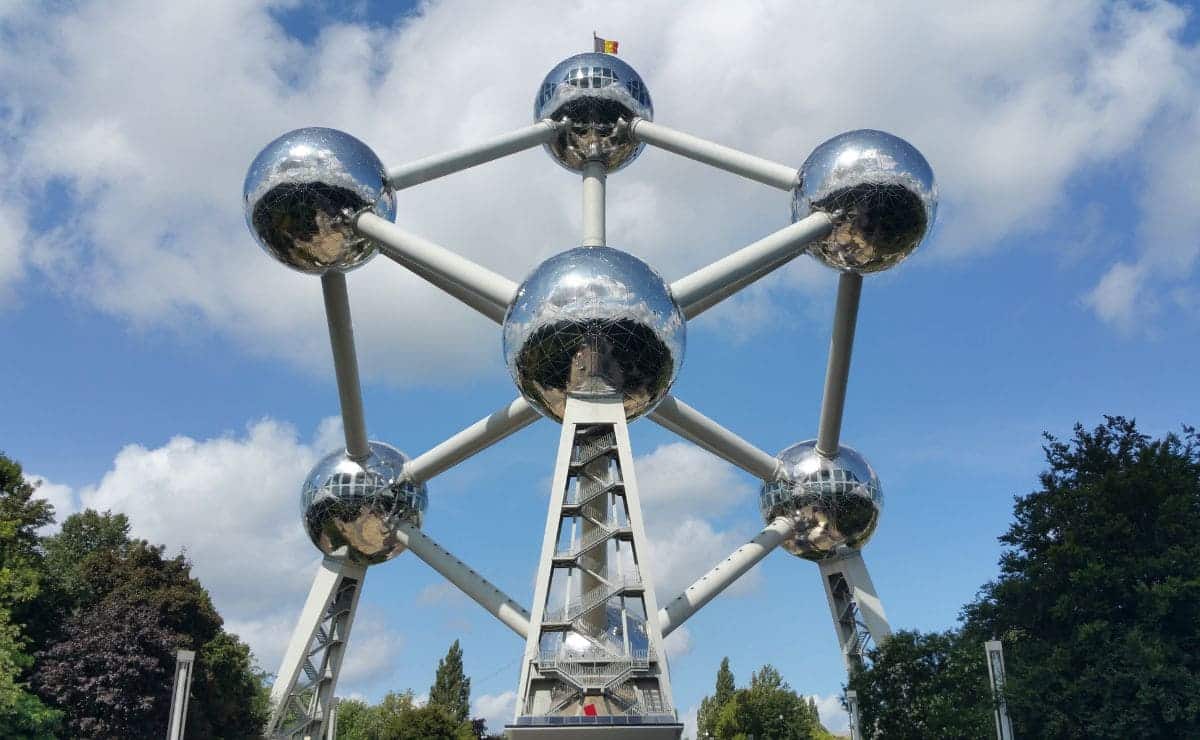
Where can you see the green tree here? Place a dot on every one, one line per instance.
(80, 536)
(228, 700)
(173, 611)
(1098, 598)
(398, 718)
(710, 706)
(22, 581)
(767, 708)
(22, 563)
(451, 689)
(920, 686)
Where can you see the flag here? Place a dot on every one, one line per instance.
(603, 45)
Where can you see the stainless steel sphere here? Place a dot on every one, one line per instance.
(601, 95)
(302, 192)
(594, 321)
(350, 510)
(836, 503)
(879, 191)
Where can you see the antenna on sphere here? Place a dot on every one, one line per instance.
(594, 339)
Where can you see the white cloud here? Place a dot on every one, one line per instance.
(1009, 103)
(833, 715)
(689, 721)
(372, 660)
(678, 643)
(60, 496)
(682, 488)
(230, 503)
(497, 709)
(14, 240)
(1116, 297)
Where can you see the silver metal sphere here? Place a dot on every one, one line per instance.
(302, 191)
(835, 502)
(601, 95)
(594, 321)
(879, 191)
(350, 510)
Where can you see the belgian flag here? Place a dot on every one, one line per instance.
(603, 45)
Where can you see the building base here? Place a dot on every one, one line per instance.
(593, 728)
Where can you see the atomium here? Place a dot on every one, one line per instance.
(835, 502)
(301, 195)
(878, 190)
(594, 321)
(593, 338)
(350, 509)
(599, 95)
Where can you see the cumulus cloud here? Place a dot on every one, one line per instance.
(683, 488)
(497, 709)
(678, 643)
(833, 714)
(229, 503)
(61, 497)
(1009, 103)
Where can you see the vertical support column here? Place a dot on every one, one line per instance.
(995, 661)
(185, 660)
(304, 687)
(858, 617)
(594, 204)
(594, 659)
(855, 607)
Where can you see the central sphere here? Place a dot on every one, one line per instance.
(597, 92)
(594, 321)
(351, 509)
(835, 501)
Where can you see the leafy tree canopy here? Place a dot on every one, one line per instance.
(768, 707)
(1098, 599)
(920, 686)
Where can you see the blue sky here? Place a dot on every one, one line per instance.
(158, 363)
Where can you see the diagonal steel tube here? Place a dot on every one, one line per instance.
(695, 427)
(837, 373)
(716, 155)
(496, 602)
(440, 266)
(710, 285)
(440, 165)
(479, 436)
(723, 574)
(345, 364)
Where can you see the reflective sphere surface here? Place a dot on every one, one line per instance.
(594, 321)
(350, 510)
(302, 192)
(601, 95)
(879, 191)
(836, 503)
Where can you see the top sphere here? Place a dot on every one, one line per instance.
(594, 321)
(601, 95)
(878, 190)
(351, 509)
(301, 195)
(835, 502)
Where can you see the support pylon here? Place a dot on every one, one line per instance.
(302, 699)
(594, 659)
(857, 615)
